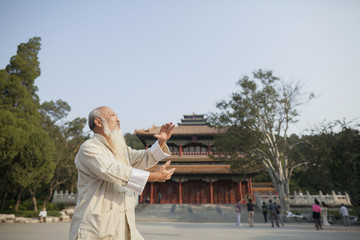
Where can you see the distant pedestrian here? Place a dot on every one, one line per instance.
(345, 214)
(316, 214)
(264, 211)
(278, 213)
(238, 213)
(250, 208)
(159, 199)
(273, 215)
(324, 214)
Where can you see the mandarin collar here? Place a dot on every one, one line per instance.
(102, 139)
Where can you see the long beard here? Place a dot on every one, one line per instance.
(117, 141)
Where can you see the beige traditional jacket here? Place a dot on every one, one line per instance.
(106, 186)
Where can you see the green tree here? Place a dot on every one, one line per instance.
(67, 137)
(255, 124)
(27, 148)
(11, 141)
(133, 141)
(26, 66)
(334, 154)
(34, 167)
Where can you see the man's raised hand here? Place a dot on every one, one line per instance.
(165, 133)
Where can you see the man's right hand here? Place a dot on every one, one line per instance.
(161, 174)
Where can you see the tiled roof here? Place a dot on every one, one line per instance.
(199, 168)
(180, 130)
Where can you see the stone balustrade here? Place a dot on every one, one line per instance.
(65, 198)
(71, 198)
(306, 200)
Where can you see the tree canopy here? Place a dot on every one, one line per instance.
(255, 123)
(27, 148)
(67, 137)
(334, 154)
(133, 141)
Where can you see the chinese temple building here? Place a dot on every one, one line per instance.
(199, 178)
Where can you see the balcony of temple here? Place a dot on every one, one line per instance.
(190, 151)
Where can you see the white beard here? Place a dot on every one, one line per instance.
(117, 141)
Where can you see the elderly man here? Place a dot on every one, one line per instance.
(109, 172)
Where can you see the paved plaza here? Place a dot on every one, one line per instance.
(189, 231)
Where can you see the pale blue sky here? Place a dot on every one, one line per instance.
(154, 60)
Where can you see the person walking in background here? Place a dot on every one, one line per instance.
(159, 201)
(345, 214)
(238, 213)
(278, 213)
(316, 214)
(273, 215)
(264, 211)
(250, 208)
(324, 214)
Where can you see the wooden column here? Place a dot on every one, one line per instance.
(142, 197)
(241, 191)
(180, 150)
(209, 150)
(250, 187)
(211, 193)
(152, 193)
(251, 191)
(180, 192)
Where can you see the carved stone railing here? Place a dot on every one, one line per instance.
(71, 198)
(307, 200)
(65, 198)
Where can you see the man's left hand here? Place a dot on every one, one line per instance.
(164, 134)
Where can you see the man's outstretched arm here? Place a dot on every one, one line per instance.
(139, 177)
(161, 174)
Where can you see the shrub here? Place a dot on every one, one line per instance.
(56, 206)
(296, 212)
(31, 213)
(337, 215)
(9, 204)
(26, 205)
(54, 213)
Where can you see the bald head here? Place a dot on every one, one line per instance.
(92, 115)
(97, 113)
(100, 116)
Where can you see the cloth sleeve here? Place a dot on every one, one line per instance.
(138, 180)
(145, 159)
(92, 161)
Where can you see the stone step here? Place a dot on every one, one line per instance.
(193, 213)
